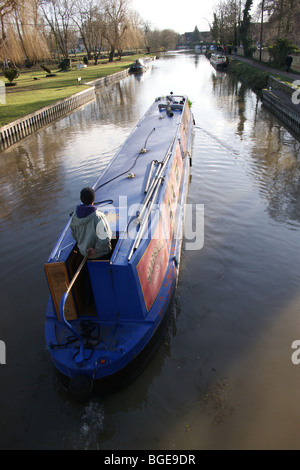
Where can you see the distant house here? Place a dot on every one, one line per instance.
(185, 40)
(206, 36)
(188, 38)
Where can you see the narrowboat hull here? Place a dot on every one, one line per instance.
(102, 347)
(82, 388)
(218, 61)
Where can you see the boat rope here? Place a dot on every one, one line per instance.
(141, 152)
(91, 337)
(146, 141)
(104, 203)
(90, 332)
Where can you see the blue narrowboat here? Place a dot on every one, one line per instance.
(100, 347)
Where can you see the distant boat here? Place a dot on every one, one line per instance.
(140, 65)
(219, 61)
(198, 48)
(97, 348)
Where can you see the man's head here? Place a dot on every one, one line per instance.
(87, 195)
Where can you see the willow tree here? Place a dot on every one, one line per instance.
(133, 35)
(29, 28)
(22, 37)
(9, 48)
(6, 8)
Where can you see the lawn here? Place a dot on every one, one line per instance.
(34, 90)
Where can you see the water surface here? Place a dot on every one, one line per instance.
(223, 377)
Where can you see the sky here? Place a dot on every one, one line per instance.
(180, 15)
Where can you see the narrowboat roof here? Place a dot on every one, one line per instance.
(120, 189)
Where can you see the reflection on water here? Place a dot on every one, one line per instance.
(223, 377)
(276, 167)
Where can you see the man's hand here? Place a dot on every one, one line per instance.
(91, 252)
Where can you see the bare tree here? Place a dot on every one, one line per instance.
(116, 23)
(154, 39)
(59, 16)
(165, 39)
(168, 39)
(283, 17)
(278, 18)
(90, 21)
(146, 31)
(226, 26)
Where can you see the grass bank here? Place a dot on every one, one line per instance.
(255, 78)
(34, 89)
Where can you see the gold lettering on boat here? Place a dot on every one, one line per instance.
(157, 248)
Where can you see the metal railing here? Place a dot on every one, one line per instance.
(79, 358)
(143, 217)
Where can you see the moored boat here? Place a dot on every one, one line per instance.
(97, 348)
(140, 65)
(219, 61)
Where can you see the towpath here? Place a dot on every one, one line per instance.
(282, 102)
(265, 67)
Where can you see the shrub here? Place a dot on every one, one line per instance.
(11, 74)
(252, 50)
(65, 64)
(279, 51)
(255, 78)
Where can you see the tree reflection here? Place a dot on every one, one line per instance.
(275, 165)
(27, 171)
(274, 154)
(33, 172)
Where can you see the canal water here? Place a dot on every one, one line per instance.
(225, 376)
